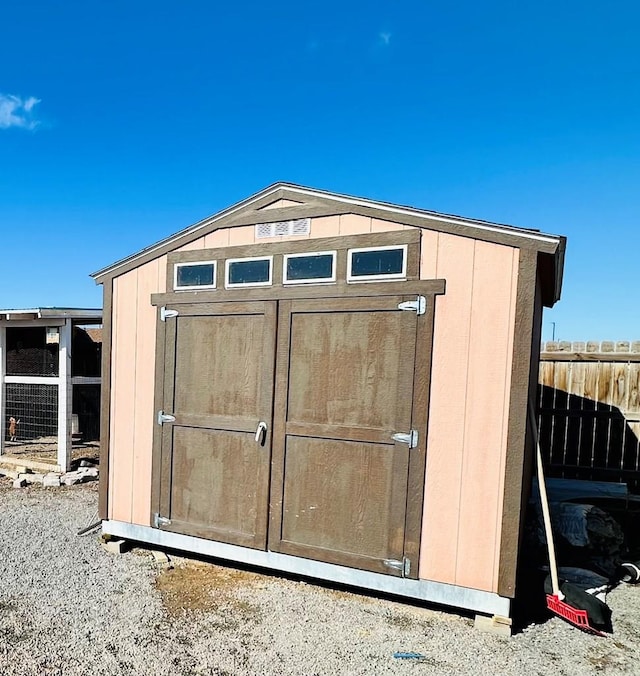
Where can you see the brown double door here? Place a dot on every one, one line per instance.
(285, 413)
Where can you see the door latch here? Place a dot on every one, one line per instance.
(410, 438)
(261, 432)
(165, 418)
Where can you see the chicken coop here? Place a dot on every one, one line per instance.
(50, 361)
(330, 386)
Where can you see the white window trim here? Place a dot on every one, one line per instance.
(242, 285)
(376, 278)
(192, 287)
(314, 280)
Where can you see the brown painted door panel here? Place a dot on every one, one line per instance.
(218, 384)
(344, 386)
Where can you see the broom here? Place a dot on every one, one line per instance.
(568, 601)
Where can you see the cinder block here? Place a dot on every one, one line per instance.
(115, 546)
(19, 483)
(71, 479)
(31, 478)
(162, 560)
(501, 626)
(51, 480)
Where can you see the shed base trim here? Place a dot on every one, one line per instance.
(423, 590)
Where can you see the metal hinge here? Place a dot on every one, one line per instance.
(160, 521)
(404, 566)
(167, 314)
(165, 418)
(419, 305)
(411, 438)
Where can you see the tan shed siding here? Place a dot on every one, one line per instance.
(473, 345)
(123, 364)
(133, 356)
(279, 204)
(148, 281)
(325, 226)
(133, 361)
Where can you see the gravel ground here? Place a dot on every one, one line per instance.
(68, 607)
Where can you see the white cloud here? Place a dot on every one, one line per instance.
(17, 112)
(385, 38)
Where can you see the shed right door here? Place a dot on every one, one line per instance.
(344, 386)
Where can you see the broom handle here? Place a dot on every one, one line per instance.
(546, 516)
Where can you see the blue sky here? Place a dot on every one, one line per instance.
(122, 122)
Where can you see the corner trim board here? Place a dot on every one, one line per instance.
(105, 398)
(517, 426)
(423, 590)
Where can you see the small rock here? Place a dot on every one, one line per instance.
(71, 478)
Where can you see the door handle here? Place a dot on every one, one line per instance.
(261, 431)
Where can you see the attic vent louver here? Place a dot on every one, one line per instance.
(300, 226)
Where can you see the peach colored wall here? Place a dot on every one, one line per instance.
(470, 392)
(470, 387)
(132, 415)
(133, 361)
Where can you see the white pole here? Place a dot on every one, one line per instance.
(3, 352)
(65, 394)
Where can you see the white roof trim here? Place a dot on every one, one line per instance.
(55, 313)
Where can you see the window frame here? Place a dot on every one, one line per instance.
(194, 287)
(314, 280)
(247, 259)
(351, 279)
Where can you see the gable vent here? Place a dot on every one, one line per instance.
(300, 226)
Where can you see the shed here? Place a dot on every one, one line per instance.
(49, 384)
(330, 386)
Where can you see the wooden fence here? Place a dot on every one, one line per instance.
(589, 403)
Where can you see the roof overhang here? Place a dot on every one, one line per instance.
(310, 202)
(80, 314)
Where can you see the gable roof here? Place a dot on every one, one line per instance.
(287, 201)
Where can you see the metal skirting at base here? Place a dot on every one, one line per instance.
(422, 590)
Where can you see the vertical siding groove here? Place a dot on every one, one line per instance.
(465, 430)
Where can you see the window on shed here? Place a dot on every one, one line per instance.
(375, 263)
(309, 268)
(200, 274)
(248, 271)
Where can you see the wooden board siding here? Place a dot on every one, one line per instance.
(473, 345)
(465, 455)
(133, 367)
(133, 361)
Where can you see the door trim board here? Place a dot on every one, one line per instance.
(422, 590)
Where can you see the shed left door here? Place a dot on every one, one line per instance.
(219, 363)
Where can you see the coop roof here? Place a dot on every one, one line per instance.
(301, 202)
(52, 313)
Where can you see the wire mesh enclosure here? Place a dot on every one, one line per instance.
(32, 413)
(50, 364)
(86, 406)
(29, 354)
